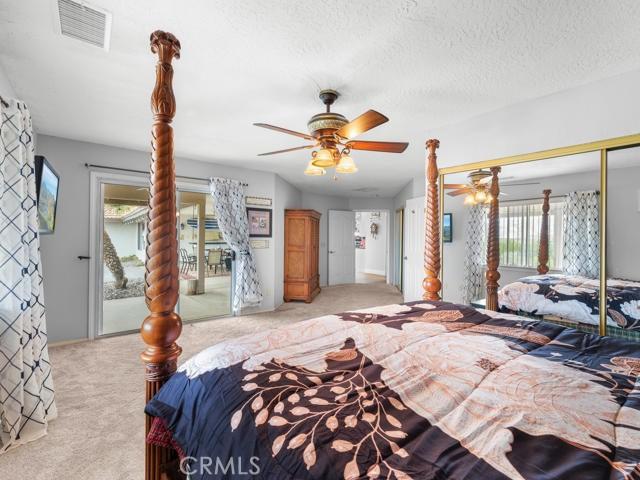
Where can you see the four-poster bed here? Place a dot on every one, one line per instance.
(427, 389)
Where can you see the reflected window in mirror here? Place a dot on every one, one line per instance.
(520, 228)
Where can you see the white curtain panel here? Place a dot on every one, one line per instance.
(26, 388)
(473, 287)
(232, 218)
(581, 251)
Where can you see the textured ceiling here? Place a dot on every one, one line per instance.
(424, 64)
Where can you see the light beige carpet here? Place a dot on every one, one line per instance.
(99, 433)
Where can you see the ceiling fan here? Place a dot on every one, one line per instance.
(477, 190)
(333, 136)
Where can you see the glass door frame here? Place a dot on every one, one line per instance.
(97, 181)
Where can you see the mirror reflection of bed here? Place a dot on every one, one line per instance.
(548, 222)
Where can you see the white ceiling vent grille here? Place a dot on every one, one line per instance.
(86, 23)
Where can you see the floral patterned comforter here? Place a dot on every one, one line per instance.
(414, 391)
(574, 298)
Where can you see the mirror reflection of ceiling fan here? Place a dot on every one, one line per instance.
(332, 134)
(477, 190)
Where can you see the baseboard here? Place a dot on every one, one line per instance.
(382, 273)
(62, 343)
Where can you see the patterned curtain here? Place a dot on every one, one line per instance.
(232, 219)
(581, 252)
(26, 388)
(475, 261)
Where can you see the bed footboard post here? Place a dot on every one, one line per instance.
(493, 243)
(162, 327)
(543, 251)
(431, 283)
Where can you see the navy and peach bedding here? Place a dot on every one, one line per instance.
(424, 390)
(574, 298)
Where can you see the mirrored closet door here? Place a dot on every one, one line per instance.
(546, 223)
(623, 242)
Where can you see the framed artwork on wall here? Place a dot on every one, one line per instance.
(447, 228)
(259, 222)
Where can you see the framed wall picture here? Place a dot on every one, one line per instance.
(259, 201)
(259, 222)
(447, 228)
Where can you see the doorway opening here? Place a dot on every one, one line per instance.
(371, 237)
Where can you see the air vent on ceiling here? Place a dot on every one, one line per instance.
(84, 22)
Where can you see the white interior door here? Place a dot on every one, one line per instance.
(413, 271)
(342, 249)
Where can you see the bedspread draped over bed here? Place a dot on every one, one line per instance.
(420, 390)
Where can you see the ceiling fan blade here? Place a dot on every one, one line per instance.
(462, 191)
(368, 120)
(455, 186)
(388, 147)
(286, 150)
(285, 130)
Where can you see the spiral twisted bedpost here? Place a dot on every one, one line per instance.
(431, 283)
(543, 250)
(162, 327)
(493, 244)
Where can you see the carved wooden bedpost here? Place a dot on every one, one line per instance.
(493, 243)
(543, 251)
(162, 327)
(431, 283)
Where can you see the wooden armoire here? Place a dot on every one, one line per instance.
(301, 252)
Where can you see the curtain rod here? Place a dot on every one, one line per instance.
(106, 167)
(538, 198)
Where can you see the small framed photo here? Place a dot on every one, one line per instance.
(259, 201)
(259, 222)
(447, 228)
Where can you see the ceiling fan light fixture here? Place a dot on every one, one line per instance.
(314, 171)
(489, 198)
(480, 196)
(346, 165)
(323, 158)
(469, 199)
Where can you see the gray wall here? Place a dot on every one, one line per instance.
(66, 277)
(322, 204)
(6, 89)
(286, 196)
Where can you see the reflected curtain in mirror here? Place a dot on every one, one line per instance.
(581, 250)
(475, 263)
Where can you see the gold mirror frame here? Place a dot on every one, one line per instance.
(603, 146)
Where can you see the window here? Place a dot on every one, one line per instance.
(520, 234)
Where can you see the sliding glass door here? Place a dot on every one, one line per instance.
(123, 249)
(205, 261)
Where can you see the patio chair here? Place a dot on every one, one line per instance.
(187, 261)
(214, 259)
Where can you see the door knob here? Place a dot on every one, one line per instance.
(406, 258)
(331, 251)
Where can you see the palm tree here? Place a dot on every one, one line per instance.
(112, 261)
